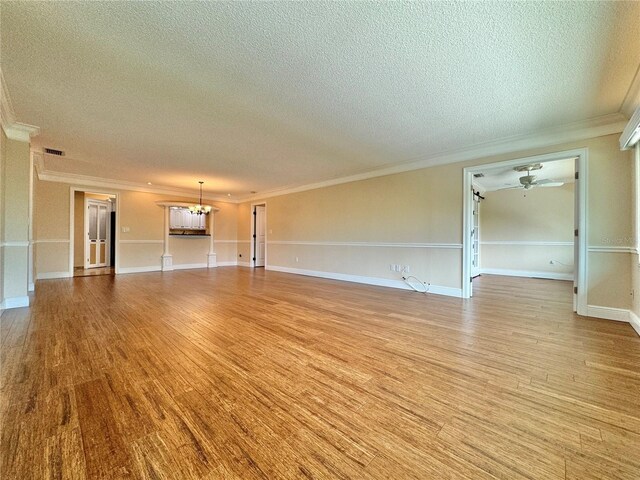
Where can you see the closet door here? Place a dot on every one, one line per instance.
(97, 230)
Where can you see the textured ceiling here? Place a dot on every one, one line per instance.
(501, 177)
(256, 95)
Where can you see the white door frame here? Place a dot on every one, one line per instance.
(72, 192)
(252, 262)
(581, 269)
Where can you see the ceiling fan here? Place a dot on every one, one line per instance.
(529, 181)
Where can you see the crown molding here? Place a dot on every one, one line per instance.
(572, 132)
(78, 180)
(631, 100)
(20, 131)
(12, 128)
(594, 127)
(631, 134)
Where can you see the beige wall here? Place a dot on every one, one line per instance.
(513, 223)
(140, 247)
(244, 232)
(3, 154)
(425, 206)
(51, 227)
(189, 250)
(359, 228)
(634, 266)
(635, 259)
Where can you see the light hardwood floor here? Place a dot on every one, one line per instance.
(230, 373)
(88, 272)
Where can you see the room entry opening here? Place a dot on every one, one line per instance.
(526, 217)
(93, 233)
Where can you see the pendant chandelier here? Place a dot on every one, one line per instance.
(199, 209)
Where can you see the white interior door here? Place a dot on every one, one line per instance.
(475, 238)
(97, 220)
(259, 236)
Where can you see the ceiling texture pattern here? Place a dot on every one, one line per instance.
(255, 96)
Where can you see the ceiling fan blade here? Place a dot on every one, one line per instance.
(551, 184)
(546, 180)
(510, 188)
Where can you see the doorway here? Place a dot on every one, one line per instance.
(97, 226)
(92, 233)
(259, 235)
(528, 177)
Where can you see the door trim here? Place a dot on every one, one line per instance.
(252, 241)
(581, 269)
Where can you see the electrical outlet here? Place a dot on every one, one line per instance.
(392, 267)
(125, 229)
(405, 269)
(297, 259)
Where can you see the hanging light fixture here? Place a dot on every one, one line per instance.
(199, 209)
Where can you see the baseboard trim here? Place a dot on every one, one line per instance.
(14, 302)
(125, 270)
(227, 264)
(52, 275)
(189, 266)
(634, 320)
(526, 273)
(379, 282)
(609, 313)
(234, 263)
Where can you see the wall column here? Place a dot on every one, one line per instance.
(167, 258)
(211, 256)
(14, 214)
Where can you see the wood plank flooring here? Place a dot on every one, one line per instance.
(236, 374)
(87, 272)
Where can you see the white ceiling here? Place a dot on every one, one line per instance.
(503, 177)
(261, 95)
